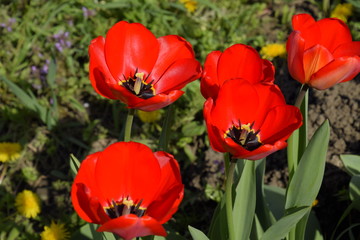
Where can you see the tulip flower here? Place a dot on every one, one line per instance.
(322, 54)
(128, 189)
(143, 71)
(249, 121)
(237, 61)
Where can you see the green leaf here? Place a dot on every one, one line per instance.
(218, 226)
(293, 152)
(245, 201)
(197, 234)
(285, 224)
(74, 165)
(307, 179)
(351, 163)
(193, 129)
(27, 100)
(50, 78)
(313, 228)
(275, 196)
(13, 234)
(88, 232)
(265, 217)
(354, 191)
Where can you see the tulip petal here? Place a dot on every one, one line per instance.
(240, 61)
(347, 50)
(170, 189)
(339, 70)
(303, 21)
(84, 192)
(213, 132)
(177, 75)
(314, 59)
(268, 72)
(131, 226)
(237, 101)
(121, 173)
(130, 47)
(295, 48)
(333, 32)
(99, 73)
(157, 102)
(239, 152)
(279, 123)
(172, 49)
(209, 84)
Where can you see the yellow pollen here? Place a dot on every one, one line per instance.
(128, 203)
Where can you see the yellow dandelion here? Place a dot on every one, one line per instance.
(271, 51)
(55, 232)
(9, 151)
(149, 117)
(27, 204)
(190, 5)
(342, 11)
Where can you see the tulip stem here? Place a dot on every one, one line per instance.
(128, 124)
(228, 197)
(165, 132)
(301, 95)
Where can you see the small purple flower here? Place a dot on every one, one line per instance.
(8, 24)
(88, 12)
(62, 41)
(40, 73)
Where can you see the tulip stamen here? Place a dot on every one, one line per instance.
(244, 135)
(124, 207)
(138, 85)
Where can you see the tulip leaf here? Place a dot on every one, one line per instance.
(306, 181)
(351, 163)
(275, 196)
(218, 226)
(245, 201)
(88, 231)
(285, 224)
(354, 191)
(265, 217)
(197, 234)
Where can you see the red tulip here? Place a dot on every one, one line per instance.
(250, 121)
(143, 71)
(128, 190)
(237, 61)
(322, 54)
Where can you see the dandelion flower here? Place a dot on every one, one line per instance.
(149, 117)
(27, 204)
(9, 151)
(190, 5)
(342, 11)
(271, 51)
(55, 232)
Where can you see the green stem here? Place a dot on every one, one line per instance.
(301, 95)
(128, 124)
(228, 198)
(165, 132)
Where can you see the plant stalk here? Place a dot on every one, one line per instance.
(301, 95)
(128, 124)
(228, 198)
